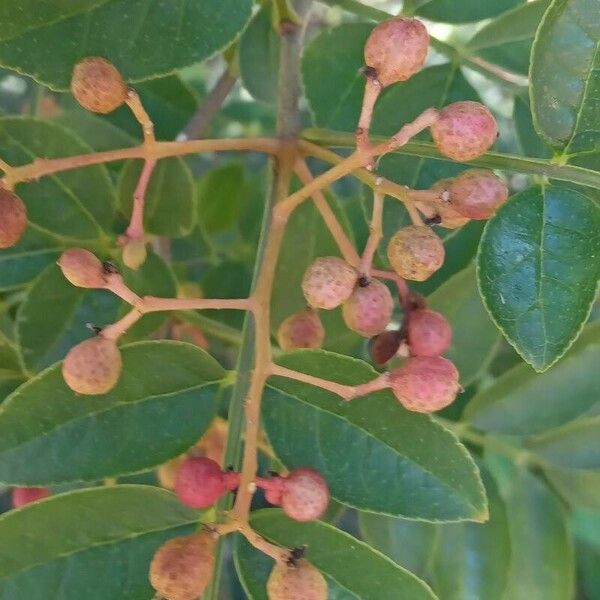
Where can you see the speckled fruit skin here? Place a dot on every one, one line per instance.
(301, 581)
(415, 252)
(328, 282)
(182, 567)
(464, 130)
(199, 482)
(93, 367)
(428, 332)
(397, 49)
(97, 85)
(13, 218)
(450, 217)
(425, 383)
(369, 309)
(305, 495)
(24, 495)
(81, 268)
(477, 193)
(302, 329)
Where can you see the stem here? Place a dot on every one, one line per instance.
(139, 112)
(375, 235)
(135, 231)
(373, 88)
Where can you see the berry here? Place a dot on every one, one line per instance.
(13, 218)
(134, 254)
(428, 332)
(396, 49)
(425, 383)
(199, 482)
(186, 332)
(369, 309)
(81, 268)
(384, 346)
(303, 329)
(299, 581)
(449, 217)
(415, 253)
(182, 567)
(93, 367)
(328, 282)
(97, 85)
(25, 495)
(477, 193)
(464, 130)
(167, 472)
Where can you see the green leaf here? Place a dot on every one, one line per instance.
(450, 11)
(521, 402)
(565, 76)
(162, 404)
(459, 301)
(339, 556)
(538, 271)
(259, 57)
(169, 208)
(541, 548)
(58, 548)
(77, 204)
(11, 374)
(144, 39)
(529, 140)
(375, 455)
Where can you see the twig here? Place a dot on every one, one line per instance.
(373, 88)
(135, 230)
(375, 235)
(139, 112)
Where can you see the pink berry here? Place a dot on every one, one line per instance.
(369, 309)
(200, 482)
(82, 269)
(477, 193)
(396, 49)
(464, 130)
(425, 383)
(13, 218)
(25, 495)
(298, 581)
(305, 495)
(415, 253)
(429, 333)
(449, 217)
(302, 329)
(328, 282)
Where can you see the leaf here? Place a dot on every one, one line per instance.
(169, 208)
(77, 204)
(259, 57)
(144, 39)
(58, 547)
(11, 374)
(375, 455)
(530, 142)
(339, 556)
(162, 404)
(537, 270)
(521, 402)
(450, 11)
(541, 548)
(565, 76)
(459, 301)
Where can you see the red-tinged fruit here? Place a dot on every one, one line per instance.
(297, 581)
(396, 49)
(425, 383)
(302, 329)
(93, 367)
(415, 252)
(182, 567)
(82, 269)
(477, 193)
(428, 333)
(369, 308)
(328, 282)
(97, 85)
(464, 130)
(384, 346)
(24, 495)
(13, 218)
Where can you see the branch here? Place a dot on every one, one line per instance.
(375, 235)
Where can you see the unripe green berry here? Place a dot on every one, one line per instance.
(299, 581)
(13, 218)
(328, 282)
(134, 254)
(396, 49)
(415, 252)
(97, 85)
(302, 329)
(81, 268)
(428, 333)
(93, 367)
(477, 193)
(464, 130)
(425, 383)
(369, 309)
(182, 567)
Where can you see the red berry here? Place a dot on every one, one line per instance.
(428, 332)
(477, 193)
(13, 218)
(396, 49)
(415, 253)
(302, 329)
(97, 85)
(449, 217)
(305, 495)
(328, 282)
(299, 581)
(25, 495)
(384, 346)
(425, 383)
(81, 268)
(369, 309)
(199, 482)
